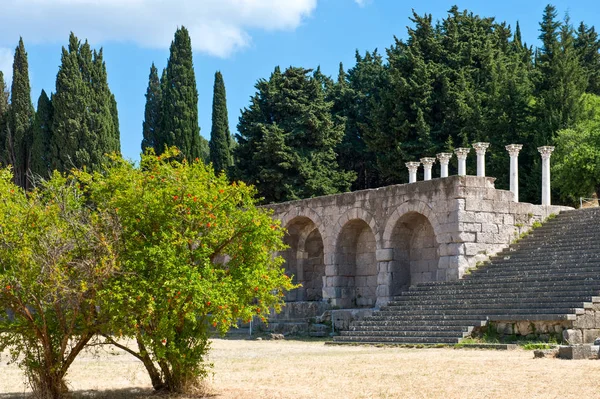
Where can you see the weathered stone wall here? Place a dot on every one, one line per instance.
(376, 243)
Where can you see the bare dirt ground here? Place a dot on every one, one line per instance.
(297, 369)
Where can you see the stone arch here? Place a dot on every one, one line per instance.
(412, 233)
(304, 259)
(355, 258)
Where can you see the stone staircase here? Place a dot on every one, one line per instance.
(552, 275)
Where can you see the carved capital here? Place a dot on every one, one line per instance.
(513, 149)
(480, 148)
(461, 153)
(413, 166)
(427, 162)
(546, 151)
(444, 157)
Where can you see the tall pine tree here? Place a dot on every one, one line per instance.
(4, 97)
(40, 148)
(152, 113)
(20, 118)
(220, 138)
(287, 139)
(179, 122)
(85, 120)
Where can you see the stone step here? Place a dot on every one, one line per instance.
(548, 254)
(585, 290)
(405, 333)
(485, 309)
(538, 280)
(495, 316)
(483, 274)
(433, 301)
(551, 264)
(397, 340)
(413, 324)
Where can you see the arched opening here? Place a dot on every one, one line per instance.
(357, 264)
(415, 252)
(304, 260)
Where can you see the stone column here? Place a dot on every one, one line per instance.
(480, 149)
(412, 171)
(461, 154)
(546, 151)
(444, 158)
(427, 165)
(384, 275)
(513, 151)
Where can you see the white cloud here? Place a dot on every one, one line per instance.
(217, 27)
(6, 61)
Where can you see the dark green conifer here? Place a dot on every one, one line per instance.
(40, 148)
(179, 125)
(287, 139)
(220, 138)
(20, 118)
(152, 113)
(85, 120)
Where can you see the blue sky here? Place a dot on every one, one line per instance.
(244, 39)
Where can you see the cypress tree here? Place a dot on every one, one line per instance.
(179, 126)
(20, 117)
(40, 148)
(152, 113)
(85, 120)
(4, 96)
(220, 138)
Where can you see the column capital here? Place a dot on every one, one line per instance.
(461, 153)
(480, 148)
(513, 149)
(427, 162)
(444, 157)
(546, 151)
(413, 166)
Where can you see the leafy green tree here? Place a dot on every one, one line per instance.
(576, 163)
(195, 252)
(152, 113)
(85, 121)
(287, 139)
(220, 137)
(55, 256)
(20, 118)
(179, 119)
(42, 135)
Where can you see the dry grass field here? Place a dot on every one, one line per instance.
(298, 369)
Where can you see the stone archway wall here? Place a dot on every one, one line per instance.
(415, 252)
(357, 264)
(469, 218)
(304, 259)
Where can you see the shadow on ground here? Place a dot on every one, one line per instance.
(126, 393)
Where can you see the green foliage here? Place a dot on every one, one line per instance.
(576, 162)
(42, 135)
(85, 121)
(55, 256)
(220, 138)
(4, 96)
(20, 118)
(179, 119)
(195, 251)
(287, 138)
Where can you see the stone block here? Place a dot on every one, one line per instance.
(384, 279)
(585, 321)
(472, 248)
(523, 328)
(464, 237)
(508, 219)
(572, 337)
(577, 352)
(469, 227)
(440, 275)
(384, 254)
(382, 291)
(590, 335)
(489, 228)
